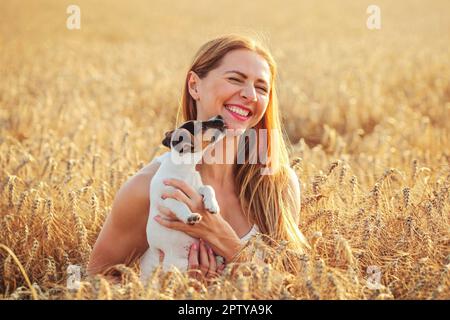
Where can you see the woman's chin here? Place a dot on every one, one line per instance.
(234, 128)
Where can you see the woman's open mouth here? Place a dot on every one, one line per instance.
(238, 113)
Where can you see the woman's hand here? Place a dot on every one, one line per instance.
(202, 264)
(212, 228)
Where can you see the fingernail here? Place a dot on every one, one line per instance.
(156, 218)
(194, 246)
(210, 250)
(166, 181)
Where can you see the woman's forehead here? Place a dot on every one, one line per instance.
(246, 62)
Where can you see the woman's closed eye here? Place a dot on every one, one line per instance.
(235, 79)
(262, 89)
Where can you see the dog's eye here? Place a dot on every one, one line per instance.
(213, 138)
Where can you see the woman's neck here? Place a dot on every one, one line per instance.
(221, 174)
(221, 171)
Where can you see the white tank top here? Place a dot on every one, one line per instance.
(245, 238)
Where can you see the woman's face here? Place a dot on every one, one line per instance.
(238, 90)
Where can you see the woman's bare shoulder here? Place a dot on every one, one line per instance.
(149, 169)
(139, 183)
(133, 197)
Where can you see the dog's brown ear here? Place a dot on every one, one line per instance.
(167, 138)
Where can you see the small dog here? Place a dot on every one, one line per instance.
(197, 137)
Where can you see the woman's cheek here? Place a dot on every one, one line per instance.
(261, 110)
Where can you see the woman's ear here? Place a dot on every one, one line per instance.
(193, 82)
(167, 138)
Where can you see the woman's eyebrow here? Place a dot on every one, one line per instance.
(243, 75)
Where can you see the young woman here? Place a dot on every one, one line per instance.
(235, 77)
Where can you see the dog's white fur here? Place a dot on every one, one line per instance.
(175, 244)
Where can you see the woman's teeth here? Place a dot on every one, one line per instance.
(237, 110)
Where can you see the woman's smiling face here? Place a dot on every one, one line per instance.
(238, 89)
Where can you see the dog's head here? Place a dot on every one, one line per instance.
(195, 136)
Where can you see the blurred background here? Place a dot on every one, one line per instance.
(128, 61)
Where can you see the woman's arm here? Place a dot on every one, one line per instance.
(123, 235)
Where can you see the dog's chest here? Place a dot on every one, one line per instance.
(190, 176)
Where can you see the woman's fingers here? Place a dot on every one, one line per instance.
(212, 271)
(204, 259)
(177, 194)
(193, 264)
(167, 213)
(184, 187)
(176, 225)
(202, 263)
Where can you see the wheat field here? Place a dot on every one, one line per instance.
(367, 113)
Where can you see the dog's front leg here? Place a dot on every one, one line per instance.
(182, 211)
(209, 199)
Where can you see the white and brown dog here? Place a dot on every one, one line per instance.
(187, 145)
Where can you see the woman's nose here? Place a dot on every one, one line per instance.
(249, 93)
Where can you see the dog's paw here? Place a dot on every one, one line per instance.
(209, 199)
(211, 204)
(194, 218)
(220, 260)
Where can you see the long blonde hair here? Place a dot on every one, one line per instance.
(267, 200)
